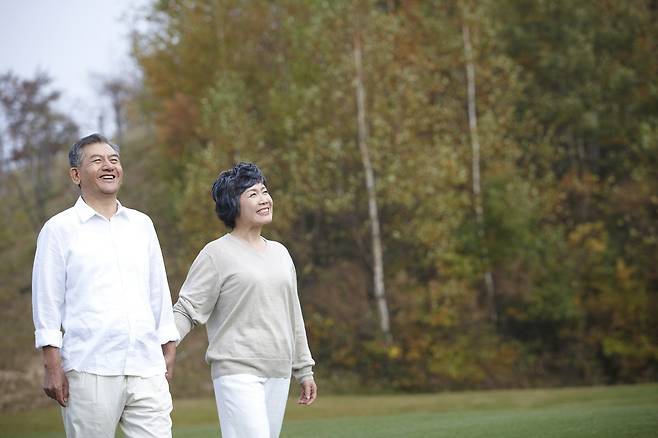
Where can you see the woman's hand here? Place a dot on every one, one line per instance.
(309, 392)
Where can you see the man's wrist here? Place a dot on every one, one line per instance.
(51, 357)
(169, 347)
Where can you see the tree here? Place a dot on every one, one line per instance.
(34, 138)
(587, 72)
(273, 82)
(118, 91)
(373, 211)
(475, 150)
(35, 132)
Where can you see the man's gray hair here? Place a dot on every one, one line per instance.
(75, 154)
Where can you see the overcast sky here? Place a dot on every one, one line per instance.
(73, 41)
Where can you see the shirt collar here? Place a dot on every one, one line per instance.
(85, 212)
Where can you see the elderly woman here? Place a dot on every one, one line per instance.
(243, 287)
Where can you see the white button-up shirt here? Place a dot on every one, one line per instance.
(103, 283)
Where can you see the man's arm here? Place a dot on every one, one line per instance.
(55, 383)
(169, 352)
(48, 290)
(161, 307)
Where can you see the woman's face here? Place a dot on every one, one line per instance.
(255, 207)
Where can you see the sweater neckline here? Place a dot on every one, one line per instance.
(250, 248)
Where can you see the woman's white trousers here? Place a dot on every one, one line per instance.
(251, 406)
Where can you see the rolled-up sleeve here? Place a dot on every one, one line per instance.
(48, 288)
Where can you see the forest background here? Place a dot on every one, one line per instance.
(469, 189)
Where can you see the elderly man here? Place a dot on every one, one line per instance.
(101, 307)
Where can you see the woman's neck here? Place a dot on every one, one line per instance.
(249, 235)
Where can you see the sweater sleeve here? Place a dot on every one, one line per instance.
(198, 295)
(302, 365)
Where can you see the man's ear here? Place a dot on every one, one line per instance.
(74, 173)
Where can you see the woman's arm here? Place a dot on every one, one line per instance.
(198, 295)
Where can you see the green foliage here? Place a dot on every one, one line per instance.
(567, 107)
(555, 149)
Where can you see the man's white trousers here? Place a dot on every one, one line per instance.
(140, 405)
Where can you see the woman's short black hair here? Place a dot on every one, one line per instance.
(228, 187)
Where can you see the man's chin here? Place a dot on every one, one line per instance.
(110, 192)
(110, 189)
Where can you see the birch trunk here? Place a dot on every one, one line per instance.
(377, 256)
(475, 164)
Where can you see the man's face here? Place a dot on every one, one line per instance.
(255, 207)
(100, 172)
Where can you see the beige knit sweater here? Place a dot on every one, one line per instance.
(248, 301)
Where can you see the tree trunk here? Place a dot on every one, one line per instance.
(3, 185)
(118, 118)
(475, 164)
(377, 256)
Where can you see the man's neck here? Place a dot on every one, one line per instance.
(105, 206)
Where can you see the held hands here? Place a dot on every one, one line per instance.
(309, 392)
(55, 383)
(169, 352)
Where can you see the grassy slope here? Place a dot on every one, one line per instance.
(621, 411)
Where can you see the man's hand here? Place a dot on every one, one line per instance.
(169, 352)
(55, 383)
(309, 392)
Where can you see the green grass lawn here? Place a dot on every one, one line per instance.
(615, 412)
